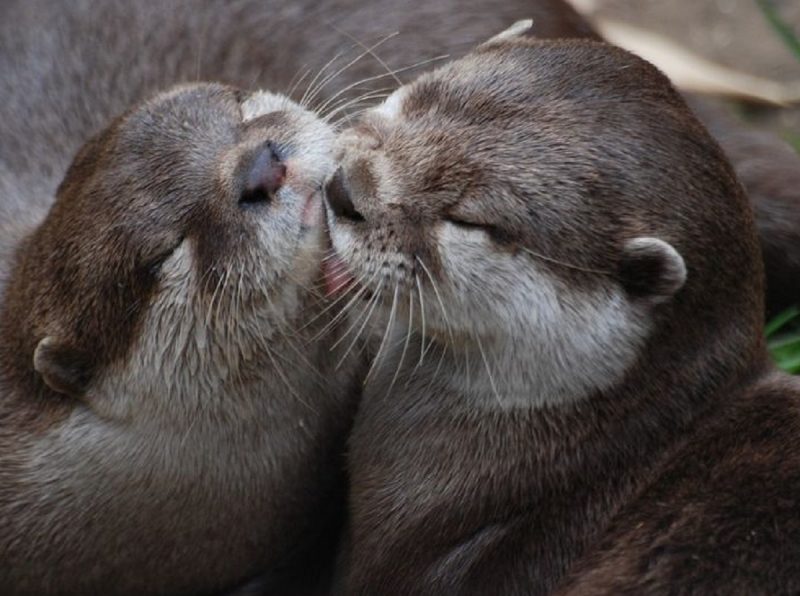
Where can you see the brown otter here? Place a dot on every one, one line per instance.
(572, 379)
(170, 420)
(64, 90)
(769, 169)
(166, 423)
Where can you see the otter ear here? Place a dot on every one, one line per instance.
(652, 269)
(514, 30)
(65, 369)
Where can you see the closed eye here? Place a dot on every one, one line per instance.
(154, 264)
(469, 225)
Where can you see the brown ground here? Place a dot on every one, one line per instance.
(731, 32)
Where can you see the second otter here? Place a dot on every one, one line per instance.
(156, 432)
(572, 387)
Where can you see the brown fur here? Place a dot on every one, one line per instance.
(169, 435)
(479, 486)
(211, 509)
(64, 62)
(769, 169)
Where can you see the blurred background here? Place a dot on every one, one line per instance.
(745, 48)
(740, 34)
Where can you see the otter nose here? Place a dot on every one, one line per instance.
(337, 194)
(264, 177)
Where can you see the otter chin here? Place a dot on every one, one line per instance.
(168, 423)
(571, 390)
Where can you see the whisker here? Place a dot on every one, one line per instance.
(342, 312)
(346, 102)
(422, 348)
(285, 380)
(356, 285)
(331, 77)
(444, 316)
(316, 76)
(567, 265)
(488, 371)
(364, 104)
(439, 299)
(384, 75)
(389, 327)
(296, 80)
(373, 54)
(405, 345)
(371, 308)
(352, 326)
(210, 312)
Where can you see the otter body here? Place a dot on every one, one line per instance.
(173, 403)
(572, 389)
(167, 422)
(143, 486)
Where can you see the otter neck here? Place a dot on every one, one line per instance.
(566, 469)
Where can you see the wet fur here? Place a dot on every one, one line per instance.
(677, 471)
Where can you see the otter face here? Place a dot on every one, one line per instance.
(184, 238)
(514, 205)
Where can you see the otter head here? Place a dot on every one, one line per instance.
(546, 211)
(184, 239)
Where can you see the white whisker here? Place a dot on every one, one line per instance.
(405, 345)
(489, 371)
(389, 327)
(330, 78)
(371, 308)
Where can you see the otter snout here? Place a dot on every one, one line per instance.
(337, 193)
(264, 177)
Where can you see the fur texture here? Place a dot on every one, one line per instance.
(504, 442)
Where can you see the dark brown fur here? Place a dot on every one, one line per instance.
(86, 272)
(683, 475)
(769, 169)
(63, 61)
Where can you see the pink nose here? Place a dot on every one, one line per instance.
(264, 178)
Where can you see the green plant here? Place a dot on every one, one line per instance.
(783, 339)
(794, 140)
(781, 27)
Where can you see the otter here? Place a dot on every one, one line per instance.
(173, 396)
(71, 71)
(769, 169)
(571, 391)
(166, 423)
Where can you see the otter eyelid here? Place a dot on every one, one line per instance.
(468, 224)
(156, 264)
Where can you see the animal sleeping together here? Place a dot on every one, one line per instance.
(500, 333)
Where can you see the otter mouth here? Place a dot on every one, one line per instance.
(312, 210)
(336, 275)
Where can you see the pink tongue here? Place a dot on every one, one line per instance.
(337, 277)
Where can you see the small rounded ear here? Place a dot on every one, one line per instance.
(652, 269)
(65, 369)
(515, 30)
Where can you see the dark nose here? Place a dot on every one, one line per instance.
(264, 177)
(337, 193)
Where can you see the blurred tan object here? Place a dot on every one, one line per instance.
(694, 73)
(688, 70)
(585, 7)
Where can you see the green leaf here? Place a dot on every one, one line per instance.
(780, 26)
(780, 321)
